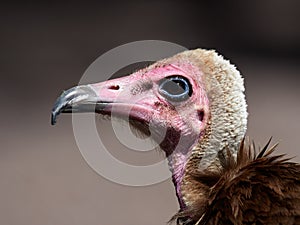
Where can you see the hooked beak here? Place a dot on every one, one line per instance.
(77, 99)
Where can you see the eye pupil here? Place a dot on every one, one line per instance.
(175, 88)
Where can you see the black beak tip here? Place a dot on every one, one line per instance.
(58, 107)
(53, 118)
(55, 112)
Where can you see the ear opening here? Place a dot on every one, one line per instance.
(201, 115)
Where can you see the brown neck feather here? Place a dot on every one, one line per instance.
(227, 195)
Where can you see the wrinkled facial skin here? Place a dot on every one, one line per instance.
(140, 97)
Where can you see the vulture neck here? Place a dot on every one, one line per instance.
(225, 128)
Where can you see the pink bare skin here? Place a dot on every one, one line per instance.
(137, 97)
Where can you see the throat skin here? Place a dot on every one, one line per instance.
(183, 165)
(182, 144)
(177, 164)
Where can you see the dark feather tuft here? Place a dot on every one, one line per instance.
(249, 189)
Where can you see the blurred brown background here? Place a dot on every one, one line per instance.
(46, 47)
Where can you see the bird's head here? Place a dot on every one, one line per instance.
(194, 99)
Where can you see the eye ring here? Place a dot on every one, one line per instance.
(175, 88)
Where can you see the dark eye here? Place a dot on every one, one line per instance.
(175, 88)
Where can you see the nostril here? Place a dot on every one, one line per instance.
(114, 87)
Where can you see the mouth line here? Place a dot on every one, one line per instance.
(122, 110)
(78, 107)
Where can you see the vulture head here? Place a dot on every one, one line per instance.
(194, 99)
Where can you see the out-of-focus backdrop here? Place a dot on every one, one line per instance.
(46, 47)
